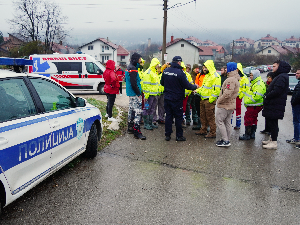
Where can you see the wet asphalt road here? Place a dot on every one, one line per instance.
(159, 182)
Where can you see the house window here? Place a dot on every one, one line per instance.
(122, 57)
(102, 48)
(106, 48)
(269, 51)
(91, 47)
(182, 45)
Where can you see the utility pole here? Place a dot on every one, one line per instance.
(164, 32)
(232, 51)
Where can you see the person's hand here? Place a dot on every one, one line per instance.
(117, 67)
(197, 86)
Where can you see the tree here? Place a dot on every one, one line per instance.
(1, 37)
(39, 20)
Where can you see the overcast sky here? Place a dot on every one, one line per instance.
(137, 20)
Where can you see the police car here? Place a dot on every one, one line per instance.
(42, 128)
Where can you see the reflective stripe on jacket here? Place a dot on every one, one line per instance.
(255, 94)
(150, 85)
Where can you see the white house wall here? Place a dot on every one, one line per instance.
(188, 53)
(269, 51)
(97, 51)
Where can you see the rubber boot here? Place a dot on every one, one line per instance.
(151, 122)
(198, 127)
(247, 134)
(146, 123)
(137, 132)
(130, 127)
(253, 130)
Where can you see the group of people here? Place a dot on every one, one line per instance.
(174, 93)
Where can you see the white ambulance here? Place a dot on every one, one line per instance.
(73, 71)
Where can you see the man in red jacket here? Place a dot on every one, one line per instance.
(111, 87)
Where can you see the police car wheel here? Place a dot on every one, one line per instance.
(101, 89)
(92, 143)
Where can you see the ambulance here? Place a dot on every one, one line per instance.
(73, 71)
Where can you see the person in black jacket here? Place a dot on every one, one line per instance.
(275, 101)
(175, 82)
(295, 101)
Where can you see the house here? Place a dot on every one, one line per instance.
(123, 56)
(181, 47)
(276, 50)
(266, 41)
(13, 40)
(211, 52)
(61, 49)
(244, 42)
(209, 43)
(291, 42)
(194, 41)
(101, 49)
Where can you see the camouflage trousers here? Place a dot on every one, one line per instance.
(135, 109)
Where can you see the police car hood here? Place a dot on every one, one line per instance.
(210, 66)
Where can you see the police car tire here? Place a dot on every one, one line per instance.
(101, 89)
(92, 143)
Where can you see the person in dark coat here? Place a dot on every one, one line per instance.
(175, 82)
(295, 102)
(275, 101)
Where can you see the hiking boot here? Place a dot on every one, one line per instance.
(168, 138)
(137, 132)
(264, 131)
(209, 135)
(297, 146)
(271, 145)
(223, 144)
(201, 132)
(180, 138)
(130, 127)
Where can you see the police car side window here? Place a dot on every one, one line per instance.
(15, 100)
(52, 96)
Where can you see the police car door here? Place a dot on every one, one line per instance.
(24, 135)
(66, 121)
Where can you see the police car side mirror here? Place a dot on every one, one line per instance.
(80, 102)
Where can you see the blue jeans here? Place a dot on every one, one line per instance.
(296, 121)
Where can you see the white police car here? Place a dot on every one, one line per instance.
(42, 128)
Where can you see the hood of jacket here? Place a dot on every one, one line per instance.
(135, 58)
(240, 67)
(255, 73)
(235, 74)
(153, 64)
(209, 64)
(283, 67)
(231, 66)
(110, 64)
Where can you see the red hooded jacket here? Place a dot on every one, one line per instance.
(112, 84)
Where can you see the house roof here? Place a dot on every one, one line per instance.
(210, 42)
(62, 49)
(104, 40)
(175, 41)
(5, 38)
(205, 50)
(122, 51)
(292, 38)
(250, 41)
(291, 49)
(277, 48)
(269, 37)
(19, 36)
(191, 38)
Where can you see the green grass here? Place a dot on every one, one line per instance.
(109, 135)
